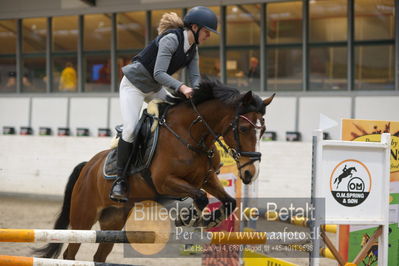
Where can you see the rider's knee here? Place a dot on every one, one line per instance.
(127, 133)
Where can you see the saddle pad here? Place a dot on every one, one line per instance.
(109, 169)
(143, 151)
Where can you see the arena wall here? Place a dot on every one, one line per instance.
(39, 166)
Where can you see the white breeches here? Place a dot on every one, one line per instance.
(131, 101)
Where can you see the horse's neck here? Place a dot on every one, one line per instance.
(217, 115)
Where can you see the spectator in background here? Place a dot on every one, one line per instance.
(105, 74)
(253, 74)
(11, 84)
(27, 83)
(216, 69)
(253, 71)
(68, 79)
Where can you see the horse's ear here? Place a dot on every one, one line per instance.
(247, 98)
(267, 101)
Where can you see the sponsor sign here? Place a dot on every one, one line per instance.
(350, 183)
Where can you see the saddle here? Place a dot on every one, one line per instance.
(146, 139)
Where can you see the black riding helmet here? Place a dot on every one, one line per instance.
(203, 17)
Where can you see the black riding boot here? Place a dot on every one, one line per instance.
(119, 187)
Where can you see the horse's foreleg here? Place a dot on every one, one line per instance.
(178, 187)
(71, 250)
(215, 188)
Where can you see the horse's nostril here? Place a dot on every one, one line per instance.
(247, 174)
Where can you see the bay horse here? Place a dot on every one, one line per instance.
(183, 164)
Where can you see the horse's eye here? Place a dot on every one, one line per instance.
(244, 129)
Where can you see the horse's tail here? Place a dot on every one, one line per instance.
(52, 250)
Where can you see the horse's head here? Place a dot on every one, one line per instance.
(239, 119)
(246, 131)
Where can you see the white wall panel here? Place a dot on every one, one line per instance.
(377, 108)
(310, 108)
(49, 112)
(280, 116)
(14, 112)
(285, 169)
(115, 114)
(88, 113)
(41, 165)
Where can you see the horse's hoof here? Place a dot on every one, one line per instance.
(118, 199)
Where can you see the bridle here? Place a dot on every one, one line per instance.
(235, 152)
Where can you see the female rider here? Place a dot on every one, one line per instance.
(150, 72)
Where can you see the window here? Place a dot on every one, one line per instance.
(96, 45)
(97, 32)
(328, 20)
(243, 40)
(374, 67)
(8, 37)
(284, 22)
(65, 34)
(284, 69)
(284, 46)
(328, 29)
(210, 62)
(34, 77)
(65, 44)
(374, 44)
(8, 74)
(327, 68)
(374, 19)
(131, 30)
(243, 24)
(35, 34)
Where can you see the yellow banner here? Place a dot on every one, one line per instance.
(370, 131)
(225, 158)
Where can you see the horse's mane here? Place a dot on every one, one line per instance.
(209, 89)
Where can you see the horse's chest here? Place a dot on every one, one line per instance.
(197, 178)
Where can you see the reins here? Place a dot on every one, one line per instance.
(162, 122)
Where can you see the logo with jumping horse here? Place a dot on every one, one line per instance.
(350, 182)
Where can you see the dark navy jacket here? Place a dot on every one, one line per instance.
(180, 59)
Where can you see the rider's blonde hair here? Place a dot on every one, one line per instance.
(169, 21)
